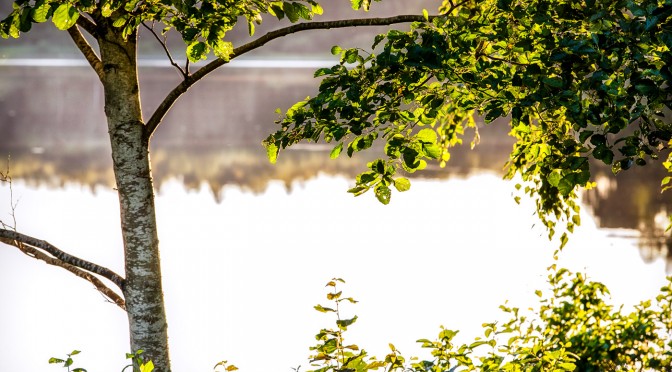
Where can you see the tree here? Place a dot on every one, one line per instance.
(114, 25)
(579, 79)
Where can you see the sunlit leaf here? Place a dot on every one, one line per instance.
(336, 151)
(402, 184)
(65, 16)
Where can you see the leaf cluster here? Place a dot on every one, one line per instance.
(577, 80)
(138, 362)
(202, 24)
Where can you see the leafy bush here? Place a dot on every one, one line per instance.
(574, 328)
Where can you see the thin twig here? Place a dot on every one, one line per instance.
(164, 45)
(6, 177)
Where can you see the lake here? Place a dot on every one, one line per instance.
(247, 246)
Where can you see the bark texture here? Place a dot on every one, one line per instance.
(130, 154)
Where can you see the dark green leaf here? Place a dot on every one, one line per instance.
(197, 51)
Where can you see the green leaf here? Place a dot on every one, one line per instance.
(41, 12)
(336, 151)
(554, 178)
(554, 82)
(584, 135)
(223, 49)
(147, 367)
(25, 20)
(302, 11)
(65, 16)
(383, 193)
(432, 151)
(567, 366)
(272, 152)
(119, 22)
(55, 360)
(427, 136)
(357, 4)
(576, 219)
(565, 186)
(402, 184)
(334, 296)
(343, 324)
(196, 51)
(317, 9)
(563, 240)
(291, 12)
(323, 309)
(350, 55)
(336, 50)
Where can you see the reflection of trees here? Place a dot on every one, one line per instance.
(220, 166)
(633, 200)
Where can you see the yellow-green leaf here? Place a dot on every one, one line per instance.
(402, 184)
(65, 16)
(40, 13)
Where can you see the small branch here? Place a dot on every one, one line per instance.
(166, 50)
(100, 286)
(9, 236)
(86, 50)
(6, 177)
(190, 80)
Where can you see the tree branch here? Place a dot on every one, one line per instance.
(86, 50)
(100, 286)
(10, 236)
(181, 88)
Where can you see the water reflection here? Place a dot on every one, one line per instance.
(630, 205)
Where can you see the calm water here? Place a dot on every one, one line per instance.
(247, 247)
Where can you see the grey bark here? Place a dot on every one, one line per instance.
(130, 154)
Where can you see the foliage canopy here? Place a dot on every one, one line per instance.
(202, 24)
(578, 80)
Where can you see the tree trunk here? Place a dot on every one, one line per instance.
(130, 154)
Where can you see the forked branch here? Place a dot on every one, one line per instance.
(16, 239)
(190, 80)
